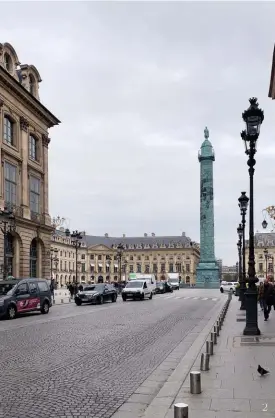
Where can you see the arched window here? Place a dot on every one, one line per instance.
(9, 254)
(32, 84)
(8, 131)
(83, 278)
(115, 278)
(187, 280)
(8, 62)
(33, 258)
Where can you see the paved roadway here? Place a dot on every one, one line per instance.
(86, 361)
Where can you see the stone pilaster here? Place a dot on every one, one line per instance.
(1, 168)
(24, 129)
(45, 141)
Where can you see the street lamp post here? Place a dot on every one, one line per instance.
(243, 204)
(7, 222)
(119, 254)
(253, 117)
(76, 241)
(266, 258)
(239, 245)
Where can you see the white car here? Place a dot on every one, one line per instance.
(228, 287)
(137, 289)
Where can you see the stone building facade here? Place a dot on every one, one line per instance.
(98, 259)
(264, 266)
(24, 141)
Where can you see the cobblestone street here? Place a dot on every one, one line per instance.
(86, 361)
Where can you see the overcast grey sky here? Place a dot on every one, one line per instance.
(134, 85)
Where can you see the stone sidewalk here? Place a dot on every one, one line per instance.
(232, 388)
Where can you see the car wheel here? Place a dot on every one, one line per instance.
(124, 298)
(114, 298)
(78, 302)
(11, 312)
(221, 290)
(45, 308)
(100, 300)
(142, 296)
(151, 296)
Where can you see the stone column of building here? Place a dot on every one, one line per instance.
(45, 141)
(207, 269)
(24, 127)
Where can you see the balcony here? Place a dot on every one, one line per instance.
(37, 218)
(16, 210)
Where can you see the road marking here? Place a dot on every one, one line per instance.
(178, 297)
(215, 299)
(195, 298)
(188, 297)
(204, 298)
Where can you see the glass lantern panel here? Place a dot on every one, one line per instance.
(253, 125)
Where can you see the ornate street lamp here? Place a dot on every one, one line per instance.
(253, 118)
(7, 222)
(239, 245)
(243, 203)
(119, 254)
(76, 237)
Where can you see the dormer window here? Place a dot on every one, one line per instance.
(8, 62)
(8, 131)
(33, 148)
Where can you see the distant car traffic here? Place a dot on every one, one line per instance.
(137, 289)
(228, 287)
(19, 296)
(96, 293)
(162, 287)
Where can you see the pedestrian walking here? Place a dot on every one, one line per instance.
(71, 290)
(261, 295)
(268, 298)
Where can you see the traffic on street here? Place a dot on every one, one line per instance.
(87, 360)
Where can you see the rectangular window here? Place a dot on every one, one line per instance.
(178, 268)
(83, 268)
(92, 257)
(270, 267)
(261, 267)
(99, 257)
(107, 268)
(82, 256)
(34, 195)
(155, 268)
(8, 131)
(171, 268)
(138, 268)
(147, 269)
(187, 268)
(33, 154)
(10, 183)
(131, 268)
(115, 269)
(99, 269)
(162, 267)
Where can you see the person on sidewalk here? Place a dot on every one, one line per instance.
(261, 295)
(268, 298)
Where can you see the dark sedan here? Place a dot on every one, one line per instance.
(97, 294)
(162, 287)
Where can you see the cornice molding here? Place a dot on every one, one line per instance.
(12, 85)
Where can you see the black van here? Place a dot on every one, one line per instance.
(24, 295)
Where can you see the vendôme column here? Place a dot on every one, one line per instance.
(207, 269)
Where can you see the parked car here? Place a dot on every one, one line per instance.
(137, 289)
(24, 295)
(97, 294)
(160, 288)
(227, 287)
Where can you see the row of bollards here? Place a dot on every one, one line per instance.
(181, 409)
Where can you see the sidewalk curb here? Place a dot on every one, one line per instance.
(162, 392)
(171, 388)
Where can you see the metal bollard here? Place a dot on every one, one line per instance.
(214, 337)
(216, 330)
(205, 358)
(195, 383)
(180, 410)
(209, 348)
